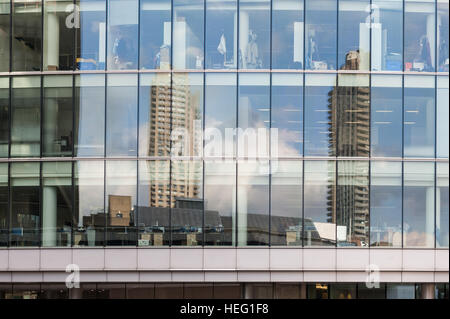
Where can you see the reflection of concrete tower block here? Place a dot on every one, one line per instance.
(364, 46)
(179, 45)
(51, 41)
(298, 42)
(243, 35)
(378, 49)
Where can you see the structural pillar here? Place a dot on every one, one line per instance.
(429, 217)
(49, 211)
(427, 291)
(51, 41)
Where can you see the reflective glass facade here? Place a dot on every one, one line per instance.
(224, 123)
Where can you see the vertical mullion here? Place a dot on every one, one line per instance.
(235, 155)
(203, 125)
(270, 127)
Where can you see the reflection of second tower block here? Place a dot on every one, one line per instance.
(119, 210)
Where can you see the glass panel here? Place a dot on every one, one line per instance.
(319, 203)
(26, 35)
(155, 37)
(227, 291)
(4, 211)
(352, 202)
(91, 34)
(4, 116)
(186, 187)
(57, 204)
(386, 116)
(187, 114)
(120, 201)
(254, 115)
(154, 203)
(442, 117)
(25, 205)
(319, 136)
(400, 291)
(254, 34)
(26, 291)
(387, 35)
(59, 34)
(419, 39)
(121, 115)
(287, 34)
(140, 291)
(288, 291)
(371, 293)
(89, 213)
(123, 16)
(57, 116)
(286, 203)
(220, 203)
(54, 291)
(26, 114)
(89, 131)
(111, 291)
(188, 28)
(169, 291)
(321, 35)
(287, 115)
(221, 34)
(442, 206)
(220, 114)
(386, 204)
(317, 291)
(354, 35)
(155, 96)
(442, 36)
(253, 203)
(343, 291)
(5, 8)
(419, 116)
(352, 126)
(418, 204)
(198, 291)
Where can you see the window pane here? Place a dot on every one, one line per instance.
(320, 42)
(123, 34)
(319, 206)
(25, 205)
(387, 35)
(5, 8)
(220, 114)
(91, 35)
(365, 292)
(400, 291)
(418, 204)
(386, 116)
(254, 34)
(120, 201)
(319, 138)
(4, 116)
(354, 35)
(253, 203)
(221, 31)
(442, 206)
(154, 203)
(220, 203)
(188, 34)
(420, 36)
(287, 34)
(187, 114)
(27, 37)
(287, 115)
(121, 115)
(89, 130)
(352, 99)
(419, 121)
(343, 291)
(386, 204)
(57, 116)
(57, 204)
(442, 117)
(26, 114)
(186, 187)
(155, 37)
(442, 35)
(4, 212)
(58, 35)
(89, 213)
(352, 202)
(286, 203)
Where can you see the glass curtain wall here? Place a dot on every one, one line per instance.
(4, 116)
(5, 17)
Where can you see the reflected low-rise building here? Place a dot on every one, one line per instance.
(224, 148)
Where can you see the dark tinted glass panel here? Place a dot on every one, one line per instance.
(25, 205)
(371, 293)
(25, 116)
(5, 7)
(317, 291)
(4, 116)
(442, 205)
(155, 37)
(343, 291)
(89, 130)
(57, 116)
(91, 34)
(26, 36)
(320, 35)
(386, 204)
(4, 211)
